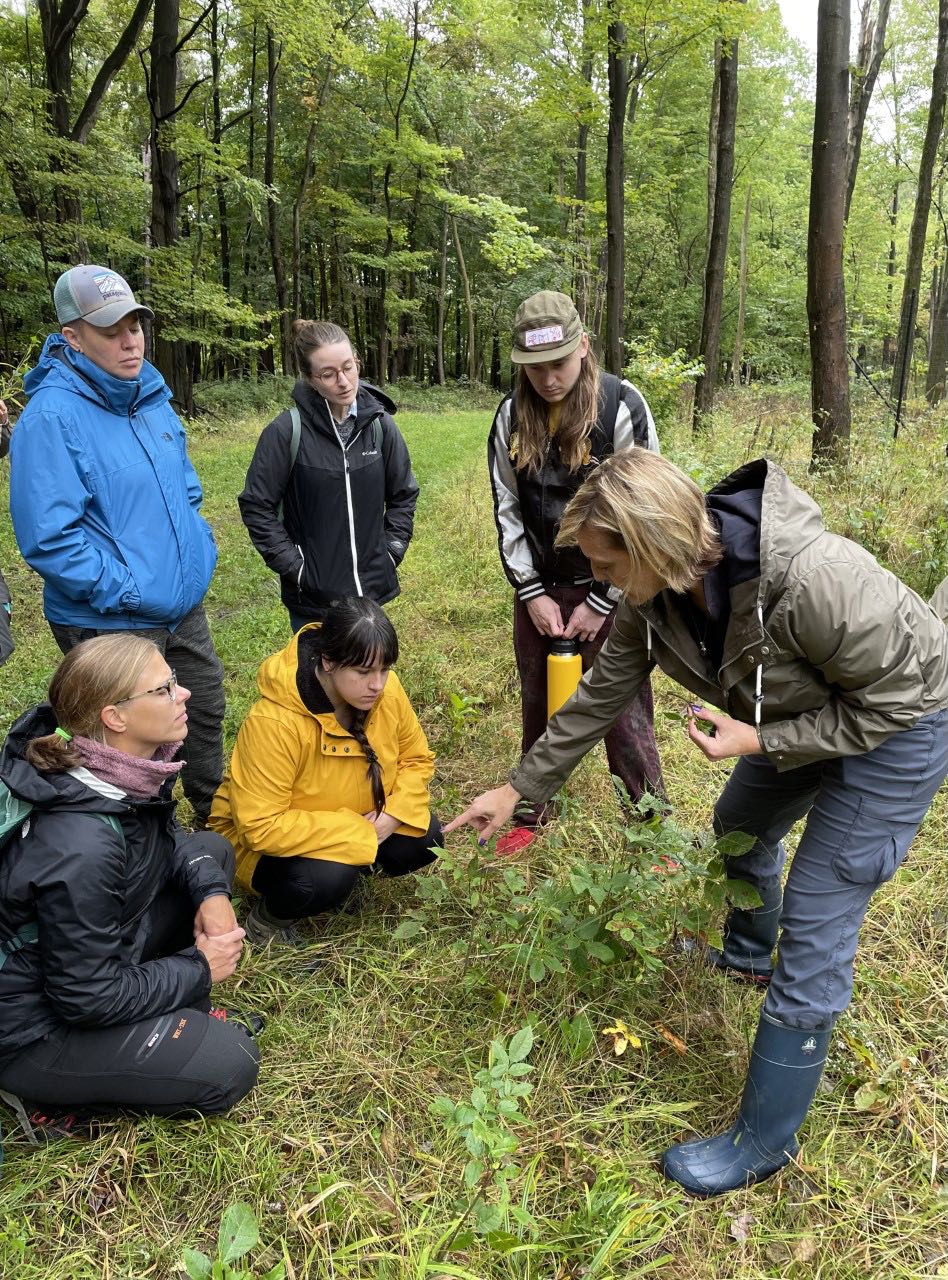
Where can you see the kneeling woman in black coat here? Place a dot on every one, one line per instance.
(114, 922)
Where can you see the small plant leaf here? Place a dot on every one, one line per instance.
(735, 843)
(521, 1044)
(407, 930)
(239, 1232)
(197, 1264)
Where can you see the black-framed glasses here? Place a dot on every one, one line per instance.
(169, 689)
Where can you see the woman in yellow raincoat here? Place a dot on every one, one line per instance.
(329, 775)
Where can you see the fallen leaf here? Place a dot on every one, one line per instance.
(741, 1225)
(622, 1037)
(805, 1250)
(669, 1037)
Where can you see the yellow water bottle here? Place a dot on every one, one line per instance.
(564, 666)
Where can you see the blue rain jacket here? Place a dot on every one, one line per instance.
(104, 499)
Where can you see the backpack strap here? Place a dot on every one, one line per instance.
(296, 433)
(612, 394)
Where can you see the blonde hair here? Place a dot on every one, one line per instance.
(93, 675)
(578, 414)
(310, 335)
(653, 510)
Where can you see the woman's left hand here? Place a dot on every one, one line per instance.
(731, 737)
(384, 824)
(215, 916)
(584, 623)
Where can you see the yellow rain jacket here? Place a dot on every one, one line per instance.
(298, 782)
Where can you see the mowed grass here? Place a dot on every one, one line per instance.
(349, 1174)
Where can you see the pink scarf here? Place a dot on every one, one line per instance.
(139, 779)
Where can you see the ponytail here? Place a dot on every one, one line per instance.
(53, 753)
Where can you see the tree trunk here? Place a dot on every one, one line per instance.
(742, 294)
(580, 243)
(273, 224)
(923, 200)
(888, 341)
(826, 292)
(170, 357)
(710, 345)
(471, 349)
(714, 128)
(439, 318)
(938, 348)
(871, 51)
(615, 193)
(216, 138)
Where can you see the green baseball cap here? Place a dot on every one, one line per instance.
(97, 295)
(546, 327)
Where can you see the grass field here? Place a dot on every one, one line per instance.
(350, 1174)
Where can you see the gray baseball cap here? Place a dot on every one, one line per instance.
(95, 294)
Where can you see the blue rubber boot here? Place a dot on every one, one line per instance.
(750, 936)
(785, 1068)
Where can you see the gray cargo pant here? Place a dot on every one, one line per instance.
(864, 812)
(189, 651)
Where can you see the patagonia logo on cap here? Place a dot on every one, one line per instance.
(110, 286)
(542, 337)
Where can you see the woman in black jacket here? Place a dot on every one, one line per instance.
(114, 923)
(330, 495)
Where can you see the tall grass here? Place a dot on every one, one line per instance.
(349, 1173)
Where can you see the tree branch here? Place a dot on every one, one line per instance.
(191, 30)
(109, 70)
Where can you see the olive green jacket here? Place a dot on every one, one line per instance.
(841, 653)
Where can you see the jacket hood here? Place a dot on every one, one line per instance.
(789, 518)
(370, 402)
(46, 790)
(61, 367)
(288, 678)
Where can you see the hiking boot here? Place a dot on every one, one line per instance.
(253, 1023)
(262, 929)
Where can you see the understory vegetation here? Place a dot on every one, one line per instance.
(473, 1077)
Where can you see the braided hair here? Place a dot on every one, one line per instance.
(356, 633)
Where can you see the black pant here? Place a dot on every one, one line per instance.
(292, 888)
(169, 1064)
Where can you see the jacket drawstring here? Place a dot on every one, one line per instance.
(758, 692)
(648, 640)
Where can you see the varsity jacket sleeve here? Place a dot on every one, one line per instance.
(401, 490)
(614, 679)
(515, 556)
(408, 801)
(78, 915)
(262, 779)
(49, 499)
(267, 480)
(863, 645)
(634, 429)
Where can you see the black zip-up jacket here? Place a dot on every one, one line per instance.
(90, 895)
(528, 505)
(347, 513)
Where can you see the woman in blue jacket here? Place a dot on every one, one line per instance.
(106, 504)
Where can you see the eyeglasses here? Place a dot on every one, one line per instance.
(328, 376)
(169, 689)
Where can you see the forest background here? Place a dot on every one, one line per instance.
(413, 172)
